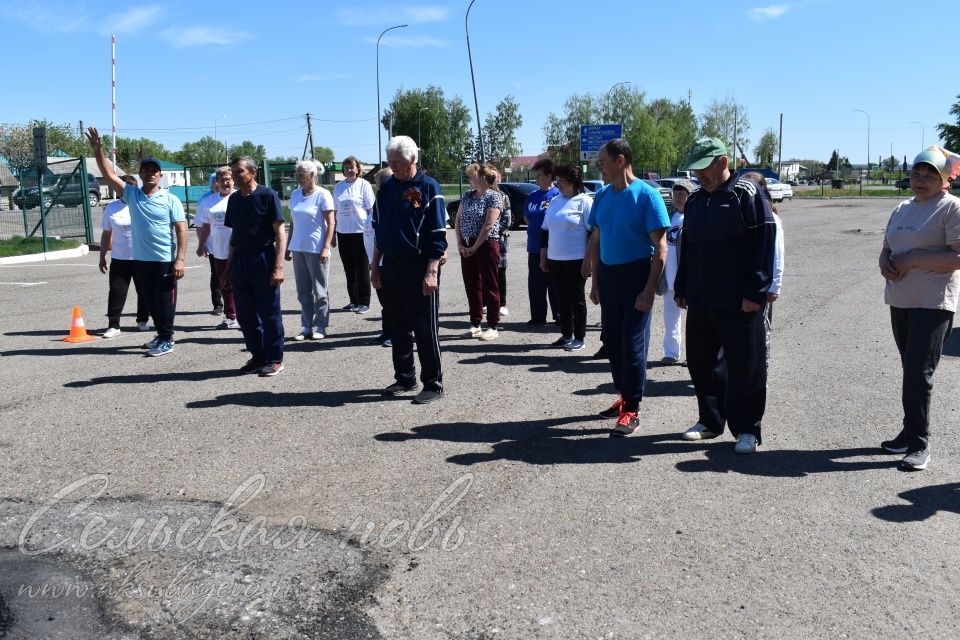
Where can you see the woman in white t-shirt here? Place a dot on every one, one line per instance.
(920, 261)
(354, 200)
(214, 239)
(312, 225)
(117, 238)
(563, 247)
(672, 314)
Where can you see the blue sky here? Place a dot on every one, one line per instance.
(181, 71)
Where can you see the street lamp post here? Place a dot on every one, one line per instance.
(923, 133)
(473, 81)
(216, 139)
(379, 124)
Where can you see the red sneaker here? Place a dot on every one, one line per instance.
(627, 423)
(614, 409)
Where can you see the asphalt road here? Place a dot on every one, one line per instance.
(185, 501)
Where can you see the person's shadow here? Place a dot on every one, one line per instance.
(786, 463)
(927, 501)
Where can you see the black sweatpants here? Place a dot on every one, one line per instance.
(356, 266)
(919, 334)
(216, 298)
(571, 302)
(731, 386)
(540, 290)
(159, 288)
(410, 310)
(121, 273)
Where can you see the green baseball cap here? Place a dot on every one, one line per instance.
(936, 159)
(703, 152)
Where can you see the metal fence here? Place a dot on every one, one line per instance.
(59, 207)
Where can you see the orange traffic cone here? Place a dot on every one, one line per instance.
(78, 332)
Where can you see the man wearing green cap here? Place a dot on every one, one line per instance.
(724, 273)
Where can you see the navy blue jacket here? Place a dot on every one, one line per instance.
(409, 219)
(726, 247)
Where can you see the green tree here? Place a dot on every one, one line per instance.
(562, 135)
(439, 125)
(837, 161)
(722, 119)
(130, 151)
(247, 148)
(500, 132)
(206, 151)
(890, 164)
(323, 154)
(950, 133)
(16, 146)
(766, 149)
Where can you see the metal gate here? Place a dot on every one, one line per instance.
(59, 207)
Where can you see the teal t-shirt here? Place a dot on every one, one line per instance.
(152, 220)
(626, 219)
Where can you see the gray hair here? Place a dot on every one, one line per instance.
(247, 163)
(311, 167)
(222, 171)
(405, 146)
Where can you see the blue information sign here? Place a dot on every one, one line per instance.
(594, 136)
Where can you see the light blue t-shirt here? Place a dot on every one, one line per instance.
(626, 219)
(152, 220)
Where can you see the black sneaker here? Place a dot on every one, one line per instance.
(561, 342)
(398, 387)
(613, 411)
(253, 366)
(532, 322)
(349, 307)
(216, 311)
(601, 352)
(917, 460)
(427, 396)
(899, 445)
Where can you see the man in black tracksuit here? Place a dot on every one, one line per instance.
(724, 272)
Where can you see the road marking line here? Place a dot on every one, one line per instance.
(46, 264)
(23, 284)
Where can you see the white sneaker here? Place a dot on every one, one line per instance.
(143, 326)
(318, 334)
(112, 332)
(489, 334)
(746, 443)
(233, 324)
(475, 332)
(504, 311)
(363, 309)
(303, 335)
(699, 432)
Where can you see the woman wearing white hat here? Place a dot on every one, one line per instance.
(921, 264)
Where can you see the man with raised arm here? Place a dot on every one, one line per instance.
(159, 231)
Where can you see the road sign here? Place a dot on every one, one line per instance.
(594, 136)
(40, 148)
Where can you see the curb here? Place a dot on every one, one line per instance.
(82, 250)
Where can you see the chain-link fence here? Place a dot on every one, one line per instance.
(59, 205)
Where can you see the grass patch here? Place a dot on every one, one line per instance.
(17, 246)
(853, 192)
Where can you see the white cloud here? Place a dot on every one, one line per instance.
(761, 14)
(410, 15)
(48, 17)
(399, 42)
(203, 36)
(131, 20)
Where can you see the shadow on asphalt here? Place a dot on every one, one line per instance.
(548, 441)
(926, 502)
(952, 345)
(787, 463)
(266, 399)
(146, 378)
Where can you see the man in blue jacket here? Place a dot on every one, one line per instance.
(410, 234)
(723, 277)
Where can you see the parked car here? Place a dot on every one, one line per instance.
(670, 182)
(666, 194)
(779, 190)
(66, 190)
(593, 186)
(516, 191)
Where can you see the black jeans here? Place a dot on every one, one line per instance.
(356, 266)
(919, 334)
(731, 385)
(568, 284)
(540, 290)
(215, 296)
(121, 273)
(159, 288)
(411, 311)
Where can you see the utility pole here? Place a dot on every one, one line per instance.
(473, 82)
(780, 148)
(309, 141)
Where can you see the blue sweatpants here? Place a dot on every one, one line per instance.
(626, 331)
(258, 305)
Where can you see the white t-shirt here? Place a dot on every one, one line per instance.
(566, 223)
(309, 223)
(116, 220)
(931, 225)
(211, 210)
(354, 204)
(673, 238)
